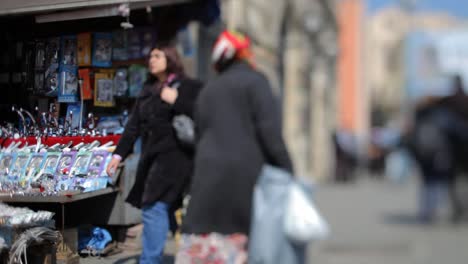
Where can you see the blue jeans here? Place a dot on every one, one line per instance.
(155, 229)
(432, 196)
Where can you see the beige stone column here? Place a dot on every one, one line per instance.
(295, 99)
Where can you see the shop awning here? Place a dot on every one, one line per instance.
(15, 7)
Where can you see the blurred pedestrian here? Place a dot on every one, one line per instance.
(439, 146)
(165, 166)
(239, 130)
(345, 155)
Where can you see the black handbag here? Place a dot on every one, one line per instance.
(184, 128)
(183, 124)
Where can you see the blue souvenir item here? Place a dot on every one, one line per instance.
(35, 166)
(51, 162)
(68, 84)
(74, 118)
(97, 164)
(102, 50)
(119, 45)
(6, 162)
(80, 166)
(65, 185)
(137, 77)
(121, 82)
(19, 166)
(65, 163)
(101, 237)
(134, 45)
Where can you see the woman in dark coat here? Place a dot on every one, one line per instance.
(238, 131)
(165, 167)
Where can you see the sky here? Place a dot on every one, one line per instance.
(457, 8)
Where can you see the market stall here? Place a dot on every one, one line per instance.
(70, 74)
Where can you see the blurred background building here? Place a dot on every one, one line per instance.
(295, 44)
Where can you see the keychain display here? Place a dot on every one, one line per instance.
(47, 179)
(102, 50)
(120, 82)
(96, 165)
(64, 180)
(19, 166)
(84, 49)
(65, 163)
(32, 170)
(80, 167)
(6, 162)
(51, 162)
(35, 166)
(103, 90)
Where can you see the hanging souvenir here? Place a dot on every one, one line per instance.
(28, 65)
(134, 44)
(87, 92)
(39, 82)
(120, 82)
(68, 84)
(148, 40)
(52, 50)
(119, 45)
(103, 90)
(69, 51)
(102, 50)
(52, 67)
(40, 55)
(51, 80)
(84, 49)
(137, 77)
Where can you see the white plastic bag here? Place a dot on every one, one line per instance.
(302, 221)
(268, 243)
(398, 166)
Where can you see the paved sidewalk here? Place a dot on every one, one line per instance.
(372, 222)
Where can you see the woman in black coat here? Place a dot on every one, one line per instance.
(165, 167)
(238, 131)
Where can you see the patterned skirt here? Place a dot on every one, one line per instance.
(212, 248)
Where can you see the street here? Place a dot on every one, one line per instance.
(372, 221)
